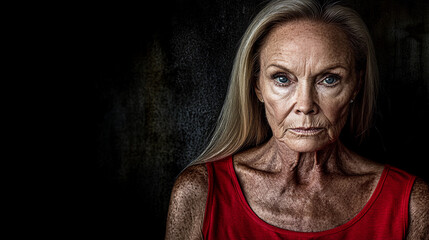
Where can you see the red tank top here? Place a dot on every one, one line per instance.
(228, 216)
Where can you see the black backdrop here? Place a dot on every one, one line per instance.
(163, 74)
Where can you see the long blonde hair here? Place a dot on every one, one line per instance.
(241, 123)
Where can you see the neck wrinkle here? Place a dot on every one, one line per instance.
(310, 167)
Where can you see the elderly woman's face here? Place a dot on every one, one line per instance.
(306, 81)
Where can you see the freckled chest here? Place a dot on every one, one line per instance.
(301, 207)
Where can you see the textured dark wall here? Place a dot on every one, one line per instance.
(163, 76)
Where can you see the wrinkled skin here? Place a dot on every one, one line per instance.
(303, 179)
(306, 80)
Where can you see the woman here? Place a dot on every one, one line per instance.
(276, 167)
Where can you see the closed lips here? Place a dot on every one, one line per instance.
(311, 130)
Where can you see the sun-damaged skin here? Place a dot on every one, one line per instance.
(307, 60)
(303, 179)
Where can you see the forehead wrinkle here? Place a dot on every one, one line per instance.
(288, 65)
(307, 47)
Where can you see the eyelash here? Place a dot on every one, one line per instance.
(336, 77)
(278, 75)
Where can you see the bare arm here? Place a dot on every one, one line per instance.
(187, 204)
(419, 211)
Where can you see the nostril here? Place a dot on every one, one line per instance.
(306, 111)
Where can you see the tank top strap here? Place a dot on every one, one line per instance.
(393, 204)
(220, 194)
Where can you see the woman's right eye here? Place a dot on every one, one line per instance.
(281, 80)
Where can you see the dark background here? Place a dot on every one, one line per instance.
(163, 71)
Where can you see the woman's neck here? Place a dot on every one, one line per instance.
(306, 168)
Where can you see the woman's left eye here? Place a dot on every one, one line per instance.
(330, 80)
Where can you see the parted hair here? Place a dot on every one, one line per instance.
(242, 122)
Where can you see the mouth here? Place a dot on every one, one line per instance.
(306, 131)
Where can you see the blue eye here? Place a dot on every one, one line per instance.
(281, 80)
(330, 80)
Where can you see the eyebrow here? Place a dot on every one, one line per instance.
(284, 68)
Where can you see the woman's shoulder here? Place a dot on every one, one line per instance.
(191, 184)
(419, 211)
(187, 203)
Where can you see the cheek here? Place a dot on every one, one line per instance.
(278, 104)
(335, 102)
(336, 111)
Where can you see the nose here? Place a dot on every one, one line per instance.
(305, 100)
